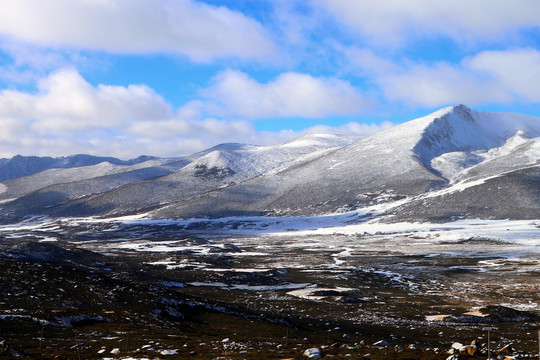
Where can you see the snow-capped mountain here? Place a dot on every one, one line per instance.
(453, 163)
(118, 189)
(19, 166)
(215, 170)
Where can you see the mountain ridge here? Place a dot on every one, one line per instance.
(19, 165)
(414, 165)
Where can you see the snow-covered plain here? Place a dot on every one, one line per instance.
(331, 251)
(347, 232)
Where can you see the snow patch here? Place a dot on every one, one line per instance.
(522, 232)
(250, 287)
(169, 352)
(313, 292)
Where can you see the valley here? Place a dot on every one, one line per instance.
(417, 242)
(175, 290)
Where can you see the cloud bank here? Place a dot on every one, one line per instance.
(195, 29)
(401, 22)
(288, 95)
(250, 63)
(486, 77)
(69, 115)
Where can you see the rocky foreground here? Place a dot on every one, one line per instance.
(83, 299)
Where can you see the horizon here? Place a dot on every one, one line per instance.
(169, 79)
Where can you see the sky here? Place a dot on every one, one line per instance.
(172, 77)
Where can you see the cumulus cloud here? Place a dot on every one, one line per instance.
(439, 85)
(68, 115)
(35, 57)
(397, 22)
(289, 95)
(487, 77)
(66, 101)
(201, 31)
(514, 70)
(193, 128)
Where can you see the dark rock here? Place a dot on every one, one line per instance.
(382, 343)
(494, 314)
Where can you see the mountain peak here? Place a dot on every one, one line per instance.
(454, 109)
(451, 129)
(461, 107)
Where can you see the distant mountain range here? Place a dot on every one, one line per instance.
(19, 166)
(454, 163)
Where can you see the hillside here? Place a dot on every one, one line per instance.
(454, 163)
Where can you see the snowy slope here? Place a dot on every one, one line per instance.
(404, 162)
(517, 151)
(20, 166)
(130, 190)
(217, 169)
(27, 184)
(61, 179)
(383, 166)
(58, 185)
(454, 163)
(37, 196)
(242, 164)
(464, 138)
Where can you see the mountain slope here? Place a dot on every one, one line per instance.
(19, 166)
(406, 161)
(512, 195)
(453, 163)
(217, 169)
(223, 165)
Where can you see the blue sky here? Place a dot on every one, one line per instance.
(172, 77)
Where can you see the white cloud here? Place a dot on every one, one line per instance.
(33, 56)
(198, 30)
(288, 95)
(396, 22)
(439, 85)
(487, 77)
(193, 128)
(68, 115)
(13, 75)
(365, 62)
(516, 71)
(66, 101)
(351, 128)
